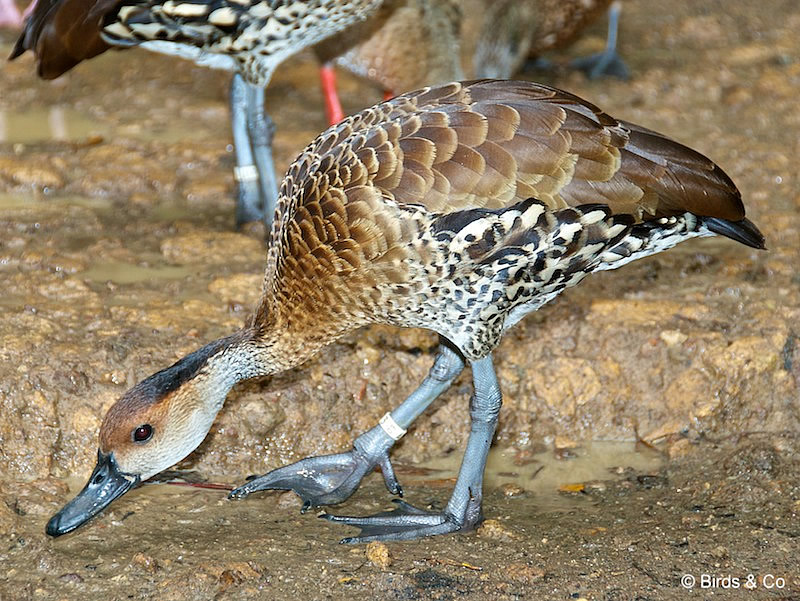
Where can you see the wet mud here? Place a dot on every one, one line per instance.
(118, 256)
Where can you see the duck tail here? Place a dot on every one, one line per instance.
(744, 231)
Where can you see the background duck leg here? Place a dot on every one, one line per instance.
(252, 140)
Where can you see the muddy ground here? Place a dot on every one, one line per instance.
(118, 256)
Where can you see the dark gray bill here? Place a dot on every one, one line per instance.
(105, 484)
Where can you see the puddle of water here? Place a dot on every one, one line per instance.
(20, 201)
(128, 273)
(63, 123)
(543, 473)
(51, 123)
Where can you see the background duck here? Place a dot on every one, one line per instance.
(500, 37)
(460, 209)
(249, 38)
(404, 45)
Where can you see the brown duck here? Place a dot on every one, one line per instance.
(459, 209)
(248, 37)
(404, 45)
(501, 35)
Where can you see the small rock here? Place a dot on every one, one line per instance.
(378, 555)
(240, 287)
(673, 337)
(595, 530)
(511, 490)
(212, 248)
(84, 419)
(25, 173)
(289, 500)
(494, 530)
(67, 264)
(595, 485)
(200, 193)
(562, 442)
(234, 572)
(116, 376)
(147, 562)
(679, 448)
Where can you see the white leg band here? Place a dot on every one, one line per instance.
(391, 427)
(245, 173)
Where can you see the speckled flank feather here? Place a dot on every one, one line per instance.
(251, 37)
(463, 207)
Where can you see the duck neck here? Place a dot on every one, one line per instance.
(242, 356)
(208, 374)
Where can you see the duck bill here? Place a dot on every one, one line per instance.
(105, 484)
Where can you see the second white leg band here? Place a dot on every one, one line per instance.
(245, 173)
(391, 427)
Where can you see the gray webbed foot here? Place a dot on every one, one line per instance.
(407, 522)
(608, 62)
(463, 511)
(602, 64)
(329, 479)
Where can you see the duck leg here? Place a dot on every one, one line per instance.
(609, 61)
(330, 479)
(262, 131)
(463, 511)
(249, 205)
(252, 139)
(333, 106)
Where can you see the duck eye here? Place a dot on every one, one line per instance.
(143, 433)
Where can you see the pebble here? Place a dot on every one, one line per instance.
(494, 530)
(209, 247)
(378, 555)
(511, 490)
(147, 562)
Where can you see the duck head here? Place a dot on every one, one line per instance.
(154, 425)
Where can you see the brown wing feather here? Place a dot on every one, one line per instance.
(493, 143)
(62, 33)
